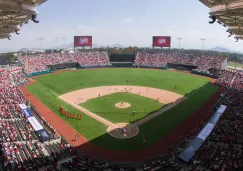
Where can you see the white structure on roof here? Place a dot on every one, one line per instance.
(15, 13)
(228, 13)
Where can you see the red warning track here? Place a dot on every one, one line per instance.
(161, 147)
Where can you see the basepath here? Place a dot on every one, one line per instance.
(86, 147)
(91, 114)
(82, 95)
(77, 97)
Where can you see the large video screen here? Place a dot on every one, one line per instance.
(161, 41)
(82, 41)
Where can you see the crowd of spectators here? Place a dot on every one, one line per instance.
(223, 148)
(165, 163)
(238, 81)
(160, 59)
(40, 62)
(20, 147)
(95, 58)
(226, 77)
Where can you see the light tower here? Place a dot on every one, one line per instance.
(179, 39)
(64, 42)
(40, 39)
(26, 63)
(202, 39)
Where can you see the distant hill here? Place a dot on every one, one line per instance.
(70, 45)
(224, 50)
(6, 50)
(117, 45)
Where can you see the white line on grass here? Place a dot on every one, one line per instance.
(104, 121)
(48, 90)
(45, 87)
(96, 117)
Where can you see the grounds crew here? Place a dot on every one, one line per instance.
(133, 112)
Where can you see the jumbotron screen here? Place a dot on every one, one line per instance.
(161, 41)
(82, 41)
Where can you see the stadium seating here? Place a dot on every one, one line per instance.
(154, 59)
(92, 58)
(19, 143)
(40, 62)
(223, 149)
(21, 148)
(226, 78)
(164, 163)
(160, 59)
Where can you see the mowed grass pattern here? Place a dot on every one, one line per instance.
(153, 130)
(65, 82)
(107, 109)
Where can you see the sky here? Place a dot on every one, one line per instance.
(126, 22)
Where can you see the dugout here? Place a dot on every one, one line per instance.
(63, 66)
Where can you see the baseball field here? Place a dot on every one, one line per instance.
(151, 103)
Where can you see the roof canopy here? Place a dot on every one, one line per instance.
(228, 13)
(15, 13)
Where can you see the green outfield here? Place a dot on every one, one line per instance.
(107, 109)
(233, 64)
(197, 89)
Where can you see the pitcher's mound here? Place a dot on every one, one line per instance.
(122, 105)
(123, 130)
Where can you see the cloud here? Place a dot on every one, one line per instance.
(128, 20)
(122, 34)
(173, 29)
(81, 26)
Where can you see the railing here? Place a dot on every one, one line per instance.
(40, 73)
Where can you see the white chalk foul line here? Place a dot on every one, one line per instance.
(45, 87)
(160, 112)
(104, 121)
(96, 117)
(48, 90)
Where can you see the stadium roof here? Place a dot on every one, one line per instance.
(15, 13)
(229, 13)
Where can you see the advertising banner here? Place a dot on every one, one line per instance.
(161, 41)
(82, 41)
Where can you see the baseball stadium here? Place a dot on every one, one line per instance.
(124, 108)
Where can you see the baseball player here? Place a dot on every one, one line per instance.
(133, 112)
(76, 136)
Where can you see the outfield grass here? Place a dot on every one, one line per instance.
(65, 82)
(107, 109)
(153, 130)
(233, 64)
